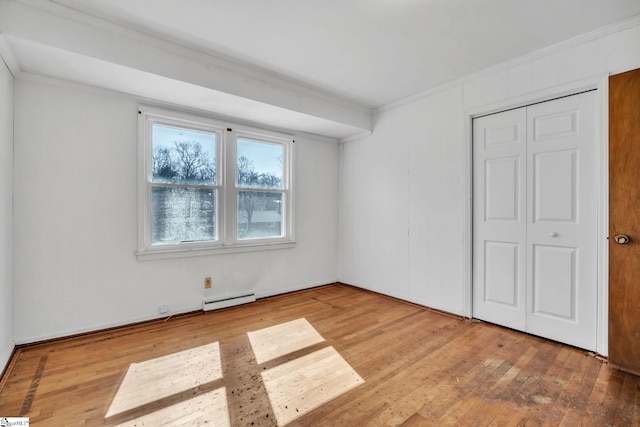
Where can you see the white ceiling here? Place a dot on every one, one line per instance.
(355, 54)
(371, 51)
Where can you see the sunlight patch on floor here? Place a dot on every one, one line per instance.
(205, 409)
(162, 377)
(279, 340)
(303, 384)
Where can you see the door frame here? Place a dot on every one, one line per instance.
(601, 83)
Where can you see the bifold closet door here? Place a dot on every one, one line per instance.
(535, 219)
(500, 216)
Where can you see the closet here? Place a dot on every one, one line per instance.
(535, 219)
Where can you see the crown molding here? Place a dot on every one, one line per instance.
(503, 66)
(9, 58)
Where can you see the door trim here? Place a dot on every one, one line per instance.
(601, 84)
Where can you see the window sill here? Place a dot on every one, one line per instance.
(193, 252)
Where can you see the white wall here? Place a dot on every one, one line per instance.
(402, 201)
(403, 205)
(6, 215)
(76, 219)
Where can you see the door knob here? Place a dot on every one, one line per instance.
(622, 239)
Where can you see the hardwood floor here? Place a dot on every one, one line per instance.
(331, 356)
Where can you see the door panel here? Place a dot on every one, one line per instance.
(508, 133)
(501, 272)
(562, 237)
(554, 183)
(499, 219)
(535, 248)
(555, 125)
(502, 192)
(624, 218)
(554, 282)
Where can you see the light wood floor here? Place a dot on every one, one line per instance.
(331, 356)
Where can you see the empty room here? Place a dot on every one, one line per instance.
(319, 213)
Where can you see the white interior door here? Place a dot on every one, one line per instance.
(535, 204)
(562, 230)
(500, 229)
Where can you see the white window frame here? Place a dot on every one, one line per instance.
(226, 224)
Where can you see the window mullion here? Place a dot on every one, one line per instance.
(231, 189)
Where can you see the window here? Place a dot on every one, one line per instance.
(183, 185)
(209, 186)
(259, 180)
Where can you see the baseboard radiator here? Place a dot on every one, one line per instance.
(215, 304)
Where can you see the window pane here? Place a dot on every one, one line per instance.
(260, 165)
(259, 215)
(183, 156)
(182, 215)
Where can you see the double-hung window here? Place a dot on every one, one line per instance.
(208, 186)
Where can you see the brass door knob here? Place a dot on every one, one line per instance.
(621, 239)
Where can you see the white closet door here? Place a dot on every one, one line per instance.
(535, 206)
(561, 232)
(500, 218)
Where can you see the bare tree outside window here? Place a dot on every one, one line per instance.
(208, 186)
(259, 212)
(182, 213)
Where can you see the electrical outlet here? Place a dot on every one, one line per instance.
(207, 282)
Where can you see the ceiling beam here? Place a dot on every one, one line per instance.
(67, 30)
